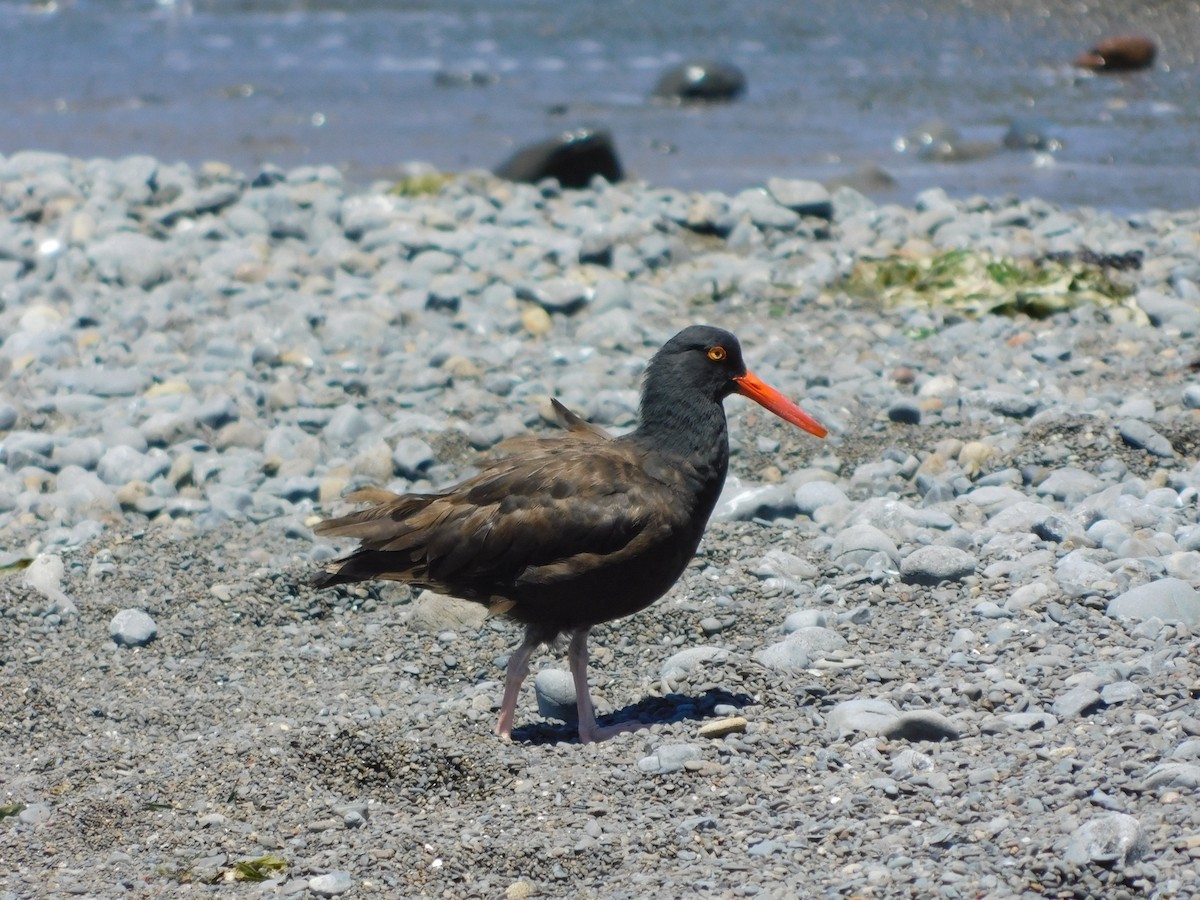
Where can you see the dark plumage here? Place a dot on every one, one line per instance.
(574, 530)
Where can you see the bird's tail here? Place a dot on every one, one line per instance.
(329, 576)
(370, 565)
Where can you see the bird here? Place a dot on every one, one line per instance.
(566, 532)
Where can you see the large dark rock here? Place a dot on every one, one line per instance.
(1120, 53)
(701, 81)
(573, 157)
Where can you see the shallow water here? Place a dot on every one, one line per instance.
(833, 85)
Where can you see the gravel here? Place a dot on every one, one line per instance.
(951, 651)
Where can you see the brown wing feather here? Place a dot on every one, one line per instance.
(389, 507)
(576, 424)
(554, 510)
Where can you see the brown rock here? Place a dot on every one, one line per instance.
(1120, 53)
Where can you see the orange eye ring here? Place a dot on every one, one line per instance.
(717, 354)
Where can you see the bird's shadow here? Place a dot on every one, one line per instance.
(649, 711)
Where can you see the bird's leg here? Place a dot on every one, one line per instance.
(577, 658)
(518, 668)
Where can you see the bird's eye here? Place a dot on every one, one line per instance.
(716, 354)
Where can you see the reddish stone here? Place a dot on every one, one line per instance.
(1120, 53)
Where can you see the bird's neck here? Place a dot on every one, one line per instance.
(688, 427)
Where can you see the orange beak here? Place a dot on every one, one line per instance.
(750, 385)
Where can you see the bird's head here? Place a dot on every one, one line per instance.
(707, 361)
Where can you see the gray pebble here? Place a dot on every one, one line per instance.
(817, 640)
(858, 544)
(1184, 776)
(411, 457)
(26, 448)
(1165, 310)
(1110, 839)
(801, 647)
(807, 618)
(814, 495)
(1138, 434)
(346, 425)
(1169, 599)
(1024, 721)
(556, 295)
(991, 610)
(1189, 749)
(991, 499)
(433, 613)
(1191, 396)
(132, 628)
(129, 258)
(1048, 353)
(330, 884)
(1059, 529)
(785, 655)
(935, 564)
(122, 464)
(668, 758)
(807, 198)
(1017, 406)
(688, 660)
(555, 691)
(1079, 576)
(1078, 701)
(1070, 484)
(35, 814)
(1120, 692)
(779, 566)
(355, 816)
(762, 210)
(217, 412)
(741, 501)
(867, 716)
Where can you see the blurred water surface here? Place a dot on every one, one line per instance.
(833, 86)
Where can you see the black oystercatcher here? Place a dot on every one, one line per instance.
(574, 530)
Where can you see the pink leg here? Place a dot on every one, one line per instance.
(518, 668)
(577, 658)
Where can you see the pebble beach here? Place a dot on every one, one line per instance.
(950, 651)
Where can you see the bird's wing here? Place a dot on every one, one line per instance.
(371, 525)
(561, 505)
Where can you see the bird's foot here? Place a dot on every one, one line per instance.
(504, 726)
(595, 734)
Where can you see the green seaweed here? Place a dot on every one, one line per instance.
(975, 283)
(12, 809)
(424, 185)
(259, 869)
